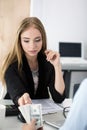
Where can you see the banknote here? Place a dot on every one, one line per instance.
(32, 111)
(35, 112)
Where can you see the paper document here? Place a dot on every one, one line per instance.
(48, 105)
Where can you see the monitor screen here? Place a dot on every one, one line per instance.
(70, 49)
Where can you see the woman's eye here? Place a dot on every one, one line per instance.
(26, 41)
(37, 40)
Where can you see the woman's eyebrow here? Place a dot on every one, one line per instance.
(25, 38)
(37, 37)
(29, 38)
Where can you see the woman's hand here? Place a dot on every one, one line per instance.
(53, 57)
(24, 99)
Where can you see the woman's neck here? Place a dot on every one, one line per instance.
(33, 63)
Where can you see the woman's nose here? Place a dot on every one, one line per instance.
(32, 44)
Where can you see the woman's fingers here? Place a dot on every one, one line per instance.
(24, 99)
(27, 98)
(51, 55)
(21, 101)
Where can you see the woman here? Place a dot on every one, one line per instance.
(29, 68)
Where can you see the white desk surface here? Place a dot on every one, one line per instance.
(76, 67)
(12, 122)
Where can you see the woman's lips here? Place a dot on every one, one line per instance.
(33, 51)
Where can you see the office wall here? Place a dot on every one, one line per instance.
(11, 13)
(64, 20)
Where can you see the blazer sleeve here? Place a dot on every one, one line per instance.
(57, 97)
(14, 83)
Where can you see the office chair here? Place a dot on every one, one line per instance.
(76, 86)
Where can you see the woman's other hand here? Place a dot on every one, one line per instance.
(53, 57)
(24, 99)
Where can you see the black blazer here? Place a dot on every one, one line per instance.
(19, 83)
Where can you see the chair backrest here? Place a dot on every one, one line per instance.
(76, 86)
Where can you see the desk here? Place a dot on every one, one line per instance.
(68, 69)
(12, 122)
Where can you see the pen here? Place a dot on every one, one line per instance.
(51, 124)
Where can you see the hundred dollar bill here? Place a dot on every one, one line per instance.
(35, 112)
(32, 111)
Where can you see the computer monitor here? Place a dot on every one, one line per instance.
(70, 49)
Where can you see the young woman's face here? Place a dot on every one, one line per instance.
(31, 41)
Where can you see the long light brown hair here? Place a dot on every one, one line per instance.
(16, 52)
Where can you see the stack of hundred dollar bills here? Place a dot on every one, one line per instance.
(32, 111)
